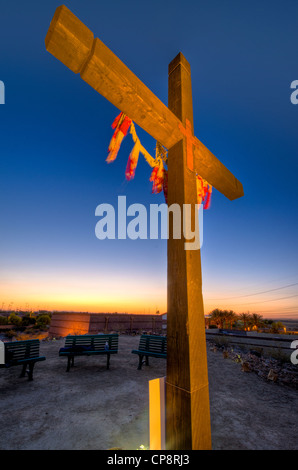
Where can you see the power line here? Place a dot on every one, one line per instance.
(272, 281)
(278, 314)
(270, 300)
(292, 307)
(256, 293)
(279, 310)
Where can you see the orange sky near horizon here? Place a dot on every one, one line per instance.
(54, 174)
(135, 294)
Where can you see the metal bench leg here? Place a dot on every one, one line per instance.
(140, 362)
(147, 360)
(23, 373)
(108, 361)
(69, 360)
(30, 372)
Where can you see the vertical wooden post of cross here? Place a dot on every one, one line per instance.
(187, 393)
(187, 390)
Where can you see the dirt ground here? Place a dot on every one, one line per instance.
(98, 409)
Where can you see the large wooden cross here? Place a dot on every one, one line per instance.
(187, 390)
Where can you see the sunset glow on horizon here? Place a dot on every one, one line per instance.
(55, 133)
(96, 294)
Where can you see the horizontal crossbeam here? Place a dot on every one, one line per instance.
(70, 41)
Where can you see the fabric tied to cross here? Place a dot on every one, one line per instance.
(121, 125)
(204, 190)
(157, 177)
(132, 162)
(165, 185)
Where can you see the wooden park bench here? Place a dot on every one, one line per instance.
(25, 353)
(151, 345)
(89, 345)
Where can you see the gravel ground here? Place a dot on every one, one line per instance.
(94, 408)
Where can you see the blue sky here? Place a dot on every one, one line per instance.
(55, 130)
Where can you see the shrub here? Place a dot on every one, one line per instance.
(14, 319)
(276, 327)
(43, 320)
(27, 320)
(3, 320)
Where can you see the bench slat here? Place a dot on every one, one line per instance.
(17, 350)
(151, 345)
(22, 353)
(96, 343)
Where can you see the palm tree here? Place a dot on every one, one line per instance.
(256, 320)
(222, 317)
(244, 317)
(230, 317)
(216, 317)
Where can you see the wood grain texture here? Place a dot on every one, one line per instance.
(70, 41)
(187, 406)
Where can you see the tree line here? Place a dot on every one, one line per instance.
(242, 321)
(30, 318)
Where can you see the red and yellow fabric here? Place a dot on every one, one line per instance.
(159, 175)
(121, 125)
(132, 162)
(204, 190)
